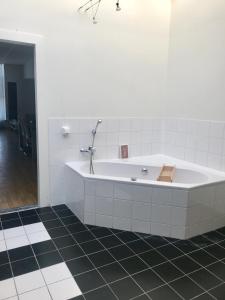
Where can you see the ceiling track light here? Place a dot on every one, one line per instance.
(94, 7)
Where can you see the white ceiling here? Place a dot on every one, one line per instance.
(15, 53)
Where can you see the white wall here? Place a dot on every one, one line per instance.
(196, 66)
(115, 68)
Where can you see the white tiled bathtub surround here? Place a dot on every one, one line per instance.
(178, 210)
(197, 141)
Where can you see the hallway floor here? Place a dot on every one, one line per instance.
(47, 253)
(18, 179)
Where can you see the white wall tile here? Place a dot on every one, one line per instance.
(103, 220)
(121, 223)
(141, 211)
(104, 206)
(122, 208)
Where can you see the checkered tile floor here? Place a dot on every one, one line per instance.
(47, 253)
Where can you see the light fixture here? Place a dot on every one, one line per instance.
(94, 7)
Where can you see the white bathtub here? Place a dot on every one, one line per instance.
(193, 204)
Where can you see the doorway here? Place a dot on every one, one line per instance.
(18, 142)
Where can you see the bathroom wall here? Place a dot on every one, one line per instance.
(116, 68)
(142, 135)
(196, 65)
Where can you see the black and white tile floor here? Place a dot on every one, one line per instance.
(48, 254)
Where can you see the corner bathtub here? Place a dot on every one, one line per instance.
(194, 203)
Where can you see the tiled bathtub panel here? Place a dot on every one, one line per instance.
(74, 190)
(132, 192)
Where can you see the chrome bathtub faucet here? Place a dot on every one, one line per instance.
(91, 149)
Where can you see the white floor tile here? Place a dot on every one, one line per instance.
(14, 232)
(56, 273)
(2, 246)
(1, 235)
(64, 289)
(40, 294)
(29, 281)
(13, 298)
(17, 242)
(7, 289)
(36, 227)
(38, 237)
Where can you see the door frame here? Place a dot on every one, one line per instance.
(34, 40)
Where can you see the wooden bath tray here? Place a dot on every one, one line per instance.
(167, 173)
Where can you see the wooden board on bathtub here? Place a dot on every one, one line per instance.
(167, 173)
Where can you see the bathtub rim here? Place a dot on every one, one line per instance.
(75, 166)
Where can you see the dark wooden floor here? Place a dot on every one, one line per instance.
(18, 175)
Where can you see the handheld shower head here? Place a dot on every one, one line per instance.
(96, 127)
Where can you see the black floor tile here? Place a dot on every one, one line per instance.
(133, 264)
(92, 247)
(125, 289)
(30, 220)
(156, 241)
(214, 236)
(64, 241)
(186, 246)
(89, 281)
(202, 257)
(221, 230)
(24, 266)
(142, 297)
(218, 292)
(11, 216)
(101, 293)
(43, 247)
(186, 264)
(121, 252)
(76, 227)
(170, 251)
(164, 293)
(53, 224)
(101, 258)
(216, 251)
(70, 220)
(152, 258)
(127, 236)
(201, 241)
(58, 232)
(204, 296)
(205, 279)
(79, 265)
(168, 272)
(101, 232)
(112, 272)
(148, 280)
(11, 224)
(4, 258)
(81, 297)
(71, 252)
(218, 269)
(48, 216)
(64, 213)
(84, 236)
(28, 213)
(110, 241)
(139, 246)
(5, 272)
(44, 210)
(59, 207)
(49, 259)
(186, 288)
(20, 253)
